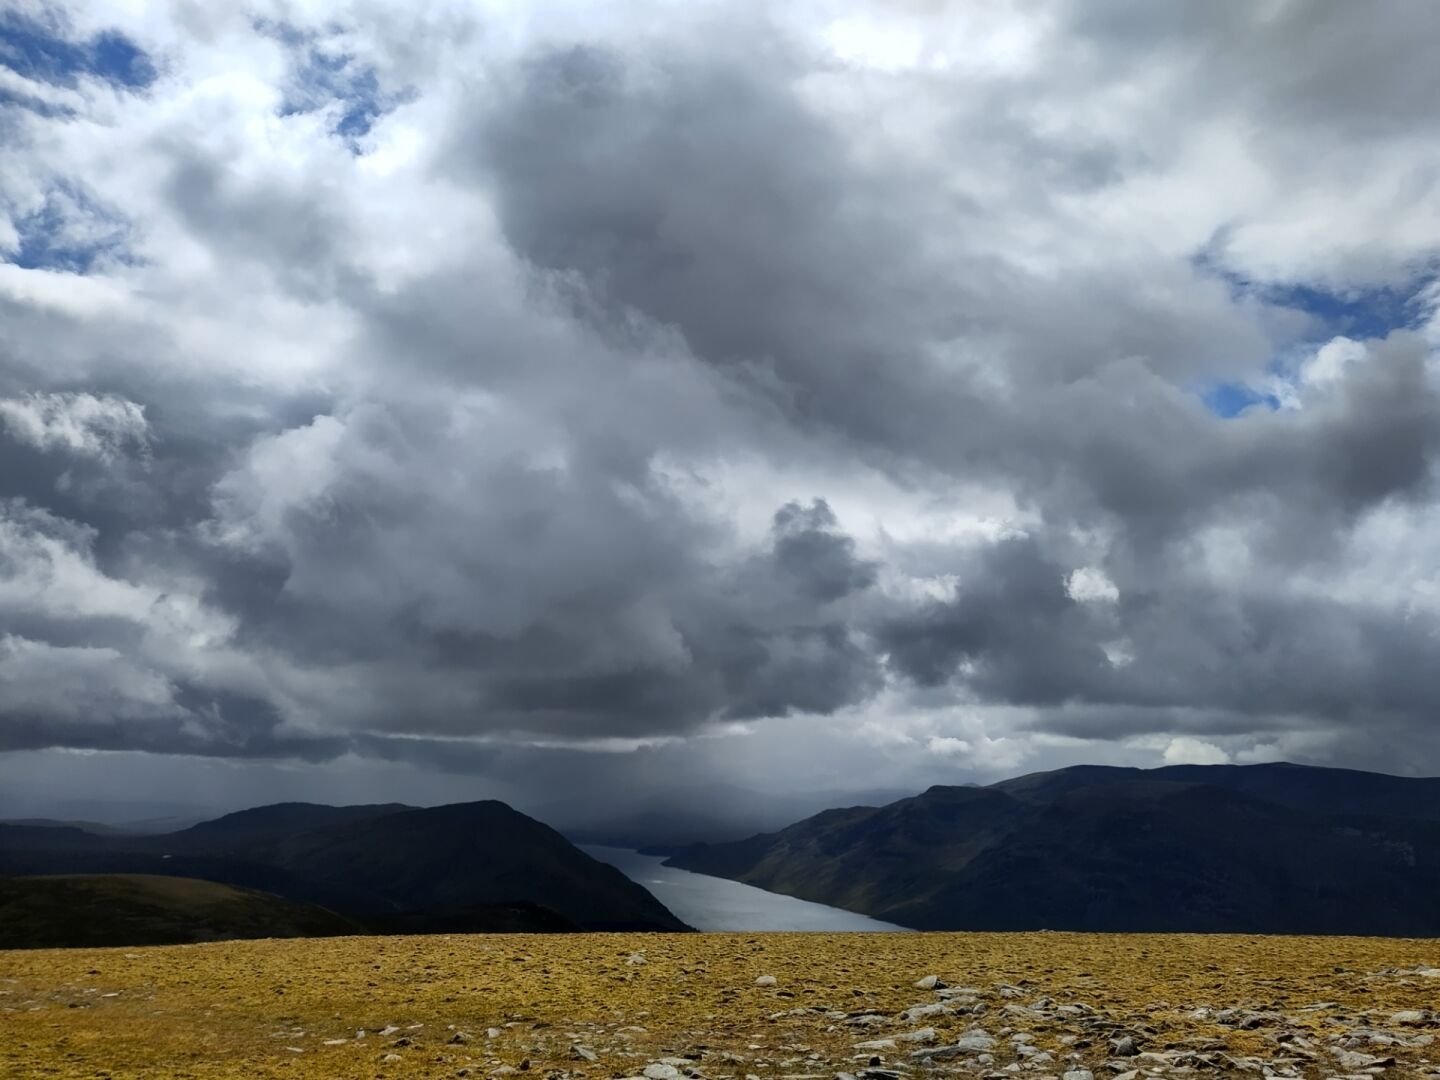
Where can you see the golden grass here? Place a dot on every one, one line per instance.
(266, 1008)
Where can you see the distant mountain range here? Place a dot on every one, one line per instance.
(1261, 848)
(466, 867)
(676, 815)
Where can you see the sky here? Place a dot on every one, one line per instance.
(584, 401)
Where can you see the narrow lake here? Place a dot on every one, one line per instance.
(712, 903)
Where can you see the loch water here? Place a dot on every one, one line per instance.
(712, 903)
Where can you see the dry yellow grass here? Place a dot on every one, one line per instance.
(281, 1008)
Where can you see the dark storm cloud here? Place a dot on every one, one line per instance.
(810, 548)
(1014, 633)
(694, 190)
(1014, 620)
(496, 516)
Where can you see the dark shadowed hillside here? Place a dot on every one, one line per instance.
(444, 859)
(471, 866)
(144, 909)
(1272, 848)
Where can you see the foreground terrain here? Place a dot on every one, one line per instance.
(726, 1005)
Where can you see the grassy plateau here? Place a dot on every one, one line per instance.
(689, 1005)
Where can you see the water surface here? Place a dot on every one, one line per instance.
(712, 903)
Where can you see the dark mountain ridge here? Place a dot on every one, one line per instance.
(1261, 848)
(280, 818)
(468, 866)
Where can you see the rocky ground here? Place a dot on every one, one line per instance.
(729, 1007)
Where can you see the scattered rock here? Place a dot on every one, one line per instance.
(766, 980)
(923, 1035)
(920, 1012)
(972, 1042)
(1354, 1060)
(930, 982)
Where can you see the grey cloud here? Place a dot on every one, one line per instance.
(295, 234)
(1343, 68)
(809, 547)
(492, 526)
(699, 193)
(1012, 620)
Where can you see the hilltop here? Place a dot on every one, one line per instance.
(727, 1007)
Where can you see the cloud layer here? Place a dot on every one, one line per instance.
(695, 388)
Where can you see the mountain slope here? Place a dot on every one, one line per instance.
(447, 858)
(142, 909)
(471, 866)
(1092, 848)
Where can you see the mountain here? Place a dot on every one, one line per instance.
(143, 909)
(1254, 849)
(52, 823)
(470, 866)
(279, 819)
(126, 815)
(447, 858)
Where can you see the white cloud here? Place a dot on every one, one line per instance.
(1187, 750)
(281, 476)
(1090, 584)
(83, 424)
(948, 745)
(1331, 361)
(49, 569)
(98, 686)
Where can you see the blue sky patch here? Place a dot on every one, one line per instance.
(70, 232)
(44, 53)
(1353, 313)
(322, 78)
(1229, 400)
(1359, 314)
